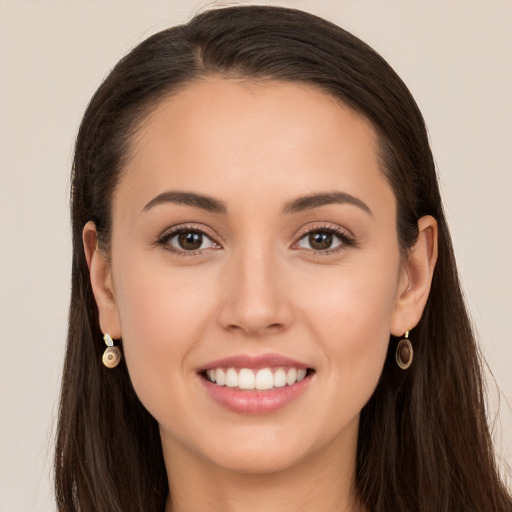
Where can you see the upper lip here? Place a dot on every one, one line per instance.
(255, 362)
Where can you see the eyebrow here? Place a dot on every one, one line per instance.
(297, 205)
(315, 200)
(188, 198)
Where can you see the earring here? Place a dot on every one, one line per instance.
(404, 352)
(112, 355)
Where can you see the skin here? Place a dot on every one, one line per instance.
(258, 287)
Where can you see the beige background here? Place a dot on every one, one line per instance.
(454, 55)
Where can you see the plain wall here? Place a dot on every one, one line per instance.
(455, 56)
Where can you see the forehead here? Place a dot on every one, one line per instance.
(219, 135)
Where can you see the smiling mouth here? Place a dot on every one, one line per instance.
(262, 379)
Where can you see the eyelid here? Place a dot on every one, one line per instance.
(346, 236)
(324, 226)
(169, 233)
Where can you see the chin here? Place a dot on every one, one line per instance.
(259, 460)
(264, 450)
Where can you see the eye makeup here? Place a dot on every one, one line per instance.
(187, 240)
(193, 240)
(324, 240)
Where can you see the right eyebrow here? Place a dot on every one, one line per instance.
(187, 198)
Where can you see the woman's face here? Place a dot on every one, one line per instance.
(254, 235)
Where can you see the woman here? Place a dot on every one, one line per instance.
(265, 310)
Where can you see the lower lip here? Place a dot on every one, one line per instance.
(255, 402)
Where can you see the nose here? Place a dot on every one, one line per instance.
(255, 299)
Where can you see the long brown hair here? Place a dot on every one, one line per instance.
(424, 443)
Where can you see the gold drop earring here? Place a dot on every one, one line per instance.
(404, 352)
(112, 355)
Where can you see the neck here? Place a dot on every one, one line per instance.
(323, 482)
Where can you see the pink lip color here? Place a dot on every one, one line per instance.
(255, 362)
(255, 402)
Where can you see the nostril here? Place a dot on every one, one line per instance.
(255, 329)
(234, 327)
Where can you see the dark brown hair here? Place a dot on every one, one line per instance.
(424, 443)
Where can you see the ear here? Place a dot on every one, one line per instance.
(101, 281)
(416, 278)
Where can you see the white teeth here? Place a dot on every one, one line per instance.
(262, 379)
(291, 376)
(231, 378)
(301, 374)
(246, 379)
(279, 378)
(220, 377)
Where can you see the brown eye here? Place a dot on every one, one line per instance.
(323, 241)
(190, 240)
(320, 240)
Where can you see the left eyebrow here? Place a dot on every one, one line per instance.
(315, 200)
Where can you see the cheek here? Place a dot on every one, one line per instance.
(163, 317)
(351, 320)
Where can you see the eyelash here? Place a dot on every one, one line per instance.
(346, 239)
(166, 236)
